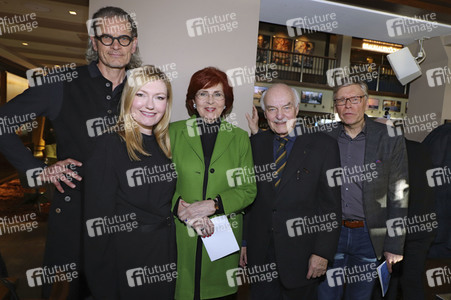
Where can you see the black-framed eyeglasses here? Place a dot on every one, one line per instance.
(108, 40)
(353, 100)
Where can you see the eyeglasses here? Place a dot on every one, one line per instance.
(204, 96)
(353, 100)
(108, 40)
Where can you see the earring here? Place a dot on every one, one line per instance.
(194, 105)
(225, 107)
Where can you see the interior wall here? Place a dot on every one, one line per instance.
(427, 97)
(164, 40)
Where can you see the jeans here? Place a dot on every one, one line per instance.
(353, 271)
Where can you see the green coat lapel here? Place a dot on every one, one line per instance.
(191, 134)
(223, 140)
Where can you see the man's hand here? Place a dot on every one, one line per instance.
(58, 171)
(253, 122)
(243, 257)
(195, 210)
(392, 259)
(317, 266)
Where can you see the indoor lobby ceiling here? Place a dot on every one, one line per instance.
(61, 38)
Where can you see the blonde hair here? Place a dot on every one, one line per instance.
(127, 127)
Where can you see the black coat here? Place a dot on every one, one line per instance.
(421, 195)
(118, 191)
(303, 192)
(439, 146)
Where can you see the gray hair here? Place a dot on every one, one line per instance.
(362, 84)
(110, 12)
(297, 99)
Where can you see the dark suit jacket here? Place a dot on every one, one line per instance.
(439, 145)
(303, 192)
(385, 197)
(421, 195)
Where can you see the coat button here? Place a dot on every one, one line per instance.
(58, 210)
(108, 97)
(67, 198)
(109, 111)
(212, 170)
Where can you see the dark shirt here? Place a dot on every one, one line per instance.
(69, 105)
(352, 154)
(209, 132)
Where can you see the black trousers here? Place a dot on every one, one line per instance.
(274, 290)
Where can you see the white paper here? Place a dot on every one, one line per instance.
(222, 242)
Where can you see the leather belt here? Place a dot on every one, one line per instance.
(353, 223)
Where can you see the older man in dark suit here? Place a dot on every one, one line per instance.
(292, 228)
(374, 189)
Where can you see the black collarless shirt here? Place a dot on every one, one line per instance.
(79, 109)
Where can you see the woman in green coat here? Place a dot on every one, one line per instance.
(204, 148)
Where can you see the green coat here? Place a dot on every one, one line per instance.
(232, 150)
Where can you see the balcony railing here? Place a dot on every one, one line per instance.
(312, 69)
(296, 66)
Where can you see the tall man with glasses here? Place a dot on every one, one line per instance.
(292, 228)
(79, 110)
(374, 189)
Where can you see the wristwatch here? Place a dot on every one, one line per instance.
(216, 203)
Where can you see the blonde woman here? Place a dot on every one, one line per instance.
(130, 180)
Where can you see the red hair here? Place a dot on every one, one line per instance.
(204, 79)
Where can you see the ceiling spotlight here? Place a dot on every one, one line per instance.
(25, 44)
(73, 12)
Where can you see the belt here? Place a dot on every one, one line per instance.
(353, 223)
